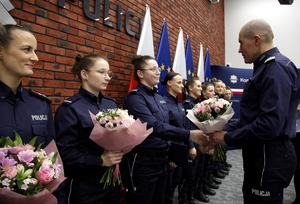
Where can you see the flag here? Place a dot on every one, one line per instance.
(200, 71)
(179, 65)
(207, 69)
(163, 57)
(145, 46)
(189, 59)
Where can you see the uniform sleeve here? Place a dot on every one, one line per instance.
(160, 128)
(68, 140)
(275, 87)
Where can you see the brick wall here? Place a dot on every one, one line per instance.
(64, 32)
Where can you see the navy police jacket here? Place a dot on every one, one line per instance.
(26, 112)
(268, 104)
(177, 114)
(149, 106)
(73, 126)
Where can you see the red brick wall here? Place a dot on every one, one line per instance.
(64, 32)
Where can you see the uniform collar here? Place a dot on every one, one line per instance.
(91, 97)
(147, 89)
(6, 91)
(262, 58)
(175, 99)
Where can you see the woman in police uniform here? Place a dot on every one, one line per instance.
(148, 162)
(24, 111)
(84, 161)
(174, 85)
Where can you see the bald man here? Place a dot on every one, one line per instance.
(267, 117)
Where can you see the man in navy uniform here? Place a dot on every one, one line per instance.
(267, 119)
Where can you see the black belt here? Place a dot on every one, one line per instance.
(278, 140)
(152, 152)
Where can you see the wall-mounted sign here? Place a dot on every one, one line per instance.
(129, 15)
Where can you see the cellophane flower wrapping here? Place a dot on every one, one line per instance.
(211, 115)
(115, 129)
(29, 174)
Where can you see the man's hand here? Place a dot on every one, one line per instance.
(217, 138)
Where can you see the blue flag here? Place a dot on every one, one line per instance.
(207, 69)
(163, 57)
(189, 60)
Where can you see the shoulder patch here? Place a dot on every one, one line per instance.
(134, 90)
(39, 95)
(272, 58)
(71, 100)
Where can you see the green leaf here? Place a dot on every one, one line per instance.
(2, 141)
(9, 142)
(18, 139)
(39, 147)
(32, 141)
(54, 157)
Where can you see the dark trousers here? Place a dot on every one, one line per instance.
(89, 190)
(174, 176)
(149, 178)
(296, 143)
(268, 169)
(202, 172)
(186, 185)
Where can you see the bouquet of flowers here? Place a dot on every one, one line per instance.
(211, 115)
(28, 175)
(115, 129)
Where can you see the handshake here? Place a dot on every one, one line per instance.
(206, 142)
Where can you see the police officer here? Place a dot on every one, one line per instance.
(84, 161)
(267, 119)
(174, 85)
(25, 111)
(148, 162)
(191, 92)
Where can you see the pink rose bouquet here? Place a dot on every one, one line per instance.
(26, 173)
(211, 115)
(115, 129)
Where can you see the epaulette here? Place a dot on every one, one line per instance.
(39, 95)
(110, 98)
(270, 59)
(134, 90)
(71, 100)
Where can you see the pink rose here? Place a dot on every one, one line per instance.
(10, 172)
(44, 175)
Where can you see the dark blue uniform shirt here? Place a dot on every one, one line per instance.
(177, 114)
(26, 112)
(149, 106)
(73, 126)
(268, 104)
